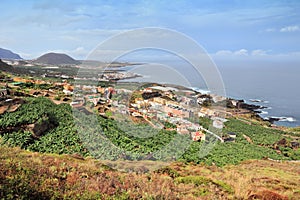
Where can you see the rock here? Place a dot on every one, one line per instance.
(40, 127)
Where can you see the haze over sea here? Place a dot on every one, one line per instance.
(276, 85)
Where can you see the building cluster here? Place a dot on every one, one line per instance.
(162, 104)
(156, 105)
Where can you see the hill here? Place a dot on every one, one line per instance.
(64, 137)
(7, 54)
(4, 67)
(27, 175)
(243, 169)
(56, 59)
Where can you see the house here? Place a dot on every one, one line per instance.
(159, 100)
(177, 111)
(229, 139)
(218, 122)
(207, 112)
(108, 92)
(217, 98)
(147, 90)
(231, 134)
(200, 114)
(198, 135)
(188, 101)
(68, 87)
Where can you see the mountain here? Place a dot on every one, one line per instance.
(56, 59)
(7, 54)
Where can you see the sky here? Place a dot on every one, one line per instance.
(231, 29)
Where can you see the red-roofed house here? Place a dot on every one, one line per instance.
(198, 135)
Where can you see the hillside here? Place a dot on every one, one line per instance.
(56, 59)
(26, 175)
(243, 169)
(7, 54)
(63, 136)
(4, 67)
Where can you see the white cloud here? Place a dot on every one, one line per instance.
(241, 52)
(259, 52)
(255, 55)
(290, 29)
(223, 53)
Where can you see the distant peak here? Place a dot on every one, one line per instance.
(8, 54)
(52, 58)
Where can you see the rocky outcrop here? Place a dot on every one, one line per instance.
(40, 127)
(251, 107)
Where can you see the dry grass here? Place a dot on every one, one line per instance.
(31, 175)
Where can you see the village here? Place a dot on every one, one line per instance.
(159, 106)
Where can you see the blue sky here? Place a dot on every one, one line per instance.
(226, 29)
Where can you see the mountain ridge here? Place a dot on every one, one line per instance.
(8, 54)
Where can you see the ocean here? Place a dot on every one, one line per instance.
(272, 85)
(277, 87)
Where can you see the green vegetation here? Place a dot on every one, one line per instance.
(205, 122)
(258, 134)
(26, 175)
(169, 125)
(72, 132)
(196, 180)
(262, 146)
(203, 181)
(60, 138)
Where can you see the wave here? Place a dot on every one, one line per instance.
(258, 101)
(202, 91)
(263, 112)
(281, 119)
(287, 119)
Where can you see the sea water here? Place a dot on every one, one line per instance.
(272, 85)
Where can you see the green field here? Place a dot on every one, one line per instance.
(73, 132)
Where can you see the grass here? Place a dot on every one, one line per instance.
(28, 175)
